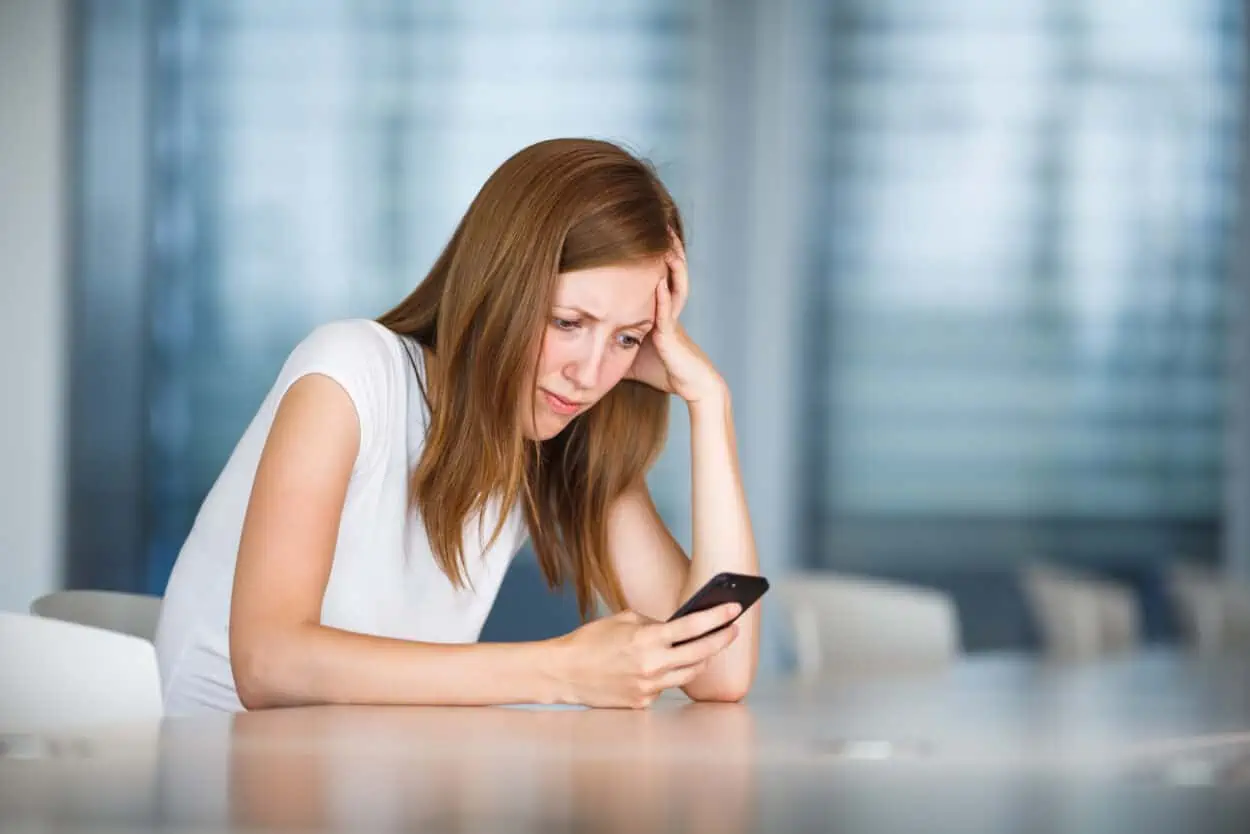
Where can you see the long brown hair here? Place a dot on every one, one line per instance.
(557, 206)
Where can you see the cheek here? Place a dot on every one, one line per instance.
(553, 356)
(618, 365)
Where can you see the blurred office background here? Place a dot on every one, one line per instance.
(973, 269)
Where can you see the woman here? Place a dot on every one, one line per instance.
(354, 543)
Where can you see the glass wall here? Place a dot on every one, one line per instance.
(1014, 233)
(1028, 222)
(311, 160)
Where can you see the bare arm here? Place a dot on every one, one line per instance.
(655, 574)
(281, 655)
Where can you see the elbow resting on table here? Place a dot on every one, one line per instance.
(258, 672)
(722, 696)
(249, 681)
(728, 691)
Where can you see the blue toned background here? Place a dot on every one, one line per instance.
(971, 268)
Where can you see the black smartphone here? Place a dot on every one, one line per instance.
(720, 589)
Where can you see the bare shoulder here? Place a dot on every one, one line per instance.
(318, 413)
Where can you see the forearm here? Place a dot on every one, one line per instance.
(314, 664)
(723, 539)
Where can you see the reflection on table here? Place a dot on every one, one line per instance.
(1155, 743)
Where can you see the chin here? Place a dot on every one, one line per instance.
(552, 426)
(551, 430)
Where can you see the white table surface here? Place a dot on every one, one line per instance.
(1157, 742)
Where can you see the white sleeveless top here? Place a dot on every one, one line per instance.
(384, 580)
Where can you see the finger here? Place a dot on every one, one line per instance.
(698, 623)
(700, 650)
(679, 274)
(663, 308)
(680, 291)
(675, 241)
(679, 676)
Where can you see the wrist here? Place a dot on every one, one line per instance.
(551, 663)
(714, 399)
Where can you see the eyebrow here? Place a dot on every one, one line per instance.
(593, 317)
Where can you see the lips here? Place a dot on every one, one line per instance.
(559, 404)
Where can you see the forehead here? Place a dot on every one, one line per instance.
(622, 292)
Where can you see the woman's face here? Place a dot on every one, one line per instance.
(596, 325)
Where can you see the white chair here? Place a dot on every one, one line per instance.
(1081, 617)
(134, 614)
(1214, 612)
(850, 627)
(56, 675)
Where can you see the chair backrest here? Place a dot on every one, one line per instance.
(56, 675)
(1081, 617)
(846, 626)
(134, 614)
(1214, 611)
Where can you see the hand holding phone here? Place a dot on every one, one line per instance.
(627, 660)
(720, 589)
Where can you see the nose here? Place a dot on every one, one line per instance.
(584, 370)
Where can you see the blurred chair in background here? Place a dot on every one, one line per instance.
(59, 675)
(1079, 616)
(133, 614)
(1214, 612)
(853, 627)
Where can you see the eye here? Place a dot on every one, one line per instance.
(629, 342)
(565, 324)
